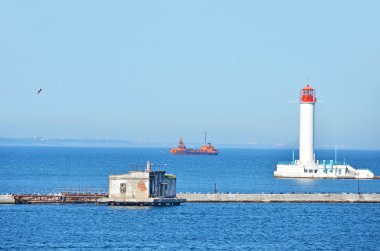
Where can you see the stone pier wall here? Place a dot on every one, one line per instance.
(215, 198)
(299, 198)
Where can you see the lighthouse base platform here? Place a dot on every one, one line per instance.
(324, 170)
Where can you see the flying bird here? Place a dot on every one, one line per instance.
(39, 91)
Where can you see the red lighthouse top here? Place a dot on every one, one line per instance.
(307, 95)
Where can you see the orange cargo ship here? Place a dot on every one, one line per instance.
(206, 149)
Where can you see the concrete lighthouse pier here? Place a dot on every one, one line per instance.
(282, 198)
(307, 166)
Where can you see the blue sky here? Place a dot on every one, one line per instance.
(156, 70)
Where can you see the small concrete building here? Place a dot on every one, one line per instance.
(145, 187)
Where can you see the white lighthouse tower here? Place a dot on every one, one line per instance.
(307, 103)
(307, 166)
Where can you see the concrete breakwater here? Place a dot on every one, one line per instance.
(295, 198)
(202, 198)
(51, 198)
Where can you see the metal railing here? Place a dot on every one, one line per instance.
(143, 167)
(327, 162)
(76, 190)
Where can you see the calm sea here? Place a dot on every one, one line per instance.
(190, 226)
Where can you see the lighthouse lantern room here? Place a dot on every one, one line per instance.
(307, 95)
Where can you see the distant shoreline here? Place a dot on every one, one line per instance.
(165, 147)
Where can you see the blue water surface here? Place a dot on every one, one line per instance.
(43, 169)
(223, 226)
(240, 226)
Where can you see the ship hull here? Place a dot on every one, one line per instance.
(193, 153)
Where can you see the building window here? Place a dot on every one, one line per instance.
(123, 187)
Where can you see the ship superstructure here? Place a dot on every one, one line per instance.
(307, 166)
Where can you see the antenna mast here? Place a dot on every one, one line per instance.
(205, 138)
